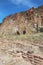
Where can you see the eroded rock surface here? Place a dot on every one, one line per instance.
(16, 53)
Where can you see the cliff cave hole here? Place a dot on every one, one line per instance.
(24, 32)
(18, 33)
(41, 29)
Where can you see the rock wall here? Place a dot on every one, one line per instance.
(24, 21)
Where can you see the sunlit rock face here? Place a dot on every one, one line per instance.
(20, 53)
(23, 22)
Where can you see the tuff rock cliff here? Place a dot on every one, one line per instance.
(23, 22)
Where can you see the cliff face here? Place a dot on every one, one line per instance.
(28, 48)
(23, 22)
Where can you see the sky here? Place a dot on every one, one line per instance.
(8, 7)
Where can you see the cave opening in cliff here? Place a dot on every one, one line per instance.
(41, 29)
(18, 33)
(24, 32)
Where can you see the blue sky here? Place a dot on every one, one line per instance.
(8, 7)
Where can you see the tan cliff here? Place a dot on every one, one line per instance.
(23, 22)
(28, 47)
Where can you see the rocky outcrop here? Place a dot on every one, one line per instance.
(19, 53)
(23, 22)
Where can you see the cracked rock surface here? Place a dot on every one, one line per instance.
(17, 53)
